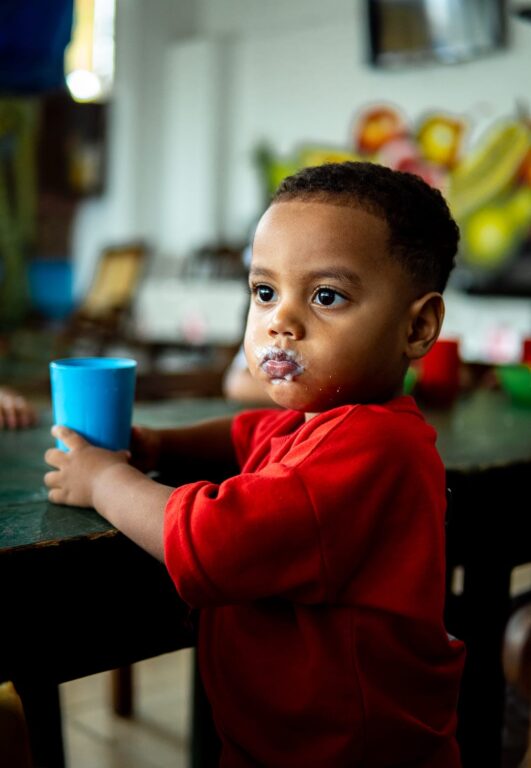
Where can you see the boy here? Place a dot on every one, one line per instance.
(319, 568)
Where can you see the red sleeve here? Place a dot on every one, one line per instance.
(251, 537)
(364, 491)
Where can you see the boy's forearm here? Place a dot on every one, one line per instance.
(134, 504)
(206, 440)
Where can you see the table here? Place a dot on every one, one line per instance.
(485, 443)
(79, 598)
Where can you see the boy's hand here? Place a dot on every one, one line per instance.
(145, 448)
(76, 471)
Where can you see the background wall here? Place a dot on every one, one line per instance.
(200, 84)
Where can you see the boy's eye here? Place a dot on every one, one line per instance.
(328, 297)
(264, 293)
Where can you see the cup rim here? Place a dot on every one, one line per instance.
(94, 363)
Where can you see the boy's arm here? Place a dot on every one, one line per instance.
(185, 453)
(209, 440)
(134, 504)
(87, 476)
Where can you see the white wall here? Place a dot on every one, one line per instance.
(298, 72)
(188, 199)
(130, 207)
(283, 71)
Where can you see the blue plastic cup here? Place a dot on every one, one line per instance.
(94, 396)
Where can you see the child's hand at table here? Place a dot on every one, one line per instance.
(76, 472)
(15, 411)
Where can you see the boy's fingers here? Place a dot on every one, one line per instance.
(70, 438)
(56, 458)
(55, 496)
(53, 456)
(51, 480)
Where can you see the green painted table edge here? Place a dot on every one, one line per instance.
(480, 432)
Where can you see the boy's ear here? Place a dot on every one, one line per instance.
(425, 320)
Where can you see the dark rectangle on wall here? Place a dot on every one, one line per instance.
(405, 32)
(71, 146)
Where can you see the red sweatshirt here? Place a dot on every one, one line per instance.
(320, 574)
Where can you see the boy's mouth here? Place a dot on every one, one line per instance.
(279, 364)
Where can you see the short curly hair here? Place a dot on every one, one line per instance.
(423, 236)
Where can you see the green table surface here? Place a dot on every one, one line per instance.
(27, 518)
(79, 598)
(480, 431)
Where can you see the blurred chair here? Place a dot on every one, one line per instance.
(15, 750)
(517, 661)
(102, 317)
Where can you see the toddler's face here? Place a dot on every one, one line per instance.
(328, 321)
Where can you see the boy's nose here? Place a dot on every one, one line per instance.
(285, 323)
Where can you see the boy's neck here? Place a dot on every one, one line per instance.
(308, 416)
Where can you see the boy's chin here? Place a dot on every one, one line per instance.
(297, 397)
(287, 394)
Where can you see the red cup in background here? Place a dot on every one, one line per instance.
(438, 382)
(526, 351)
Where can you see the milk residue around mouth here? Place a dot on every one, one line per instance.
(275, 354)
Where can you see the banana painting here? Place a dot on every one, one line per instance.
(487, 185)
(492, 234)
(439, 138)
(490, 169)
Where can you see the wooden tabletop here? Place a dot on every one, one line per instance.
(79, 598)
(27, 519)
(479, 432)
(482, 430)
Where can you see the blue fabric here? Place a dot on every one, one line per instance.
(33, 38)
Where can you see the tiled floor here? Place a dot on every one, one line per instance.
(157, 736)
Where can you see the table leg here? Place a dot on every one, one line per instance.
(122, 691)
(487, 535)
(206, 746)
(42, 710)
(486, 606)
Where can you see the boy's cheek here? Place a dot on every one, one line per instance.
(250, 345)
